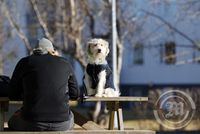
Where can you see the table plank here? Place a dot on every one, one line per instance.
(121, 98)
(4, 99)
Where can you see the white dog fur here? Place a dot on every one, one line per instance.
(98, 49)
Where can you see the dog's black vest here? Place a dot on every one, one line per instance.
(93, 71)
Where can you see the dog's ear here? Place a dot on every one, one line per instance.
(107, 50)
(89, 50)
(107, 47)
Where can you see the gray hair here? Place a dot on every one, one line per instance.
(44, 46)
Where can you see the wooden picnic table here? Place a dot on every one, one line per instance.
(113, 104)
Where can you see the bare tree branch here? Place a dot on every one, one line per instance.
(64, 20)
(76, 29)
(171, 27)
(15, 26)
(41, 21)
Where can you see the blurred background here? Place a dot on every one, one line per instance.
(158, 46)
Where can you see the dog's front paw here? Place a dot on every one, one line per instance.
(98, 95)
(110, 92)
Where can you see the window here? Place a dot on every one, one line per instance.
(138, 56)
(196, 55)
(170, 53)
(196, 52)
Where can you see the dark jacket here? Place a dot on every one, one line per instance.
(45, 83)
(94, 70)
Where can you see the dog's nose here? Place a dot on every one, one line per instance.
(99, 50)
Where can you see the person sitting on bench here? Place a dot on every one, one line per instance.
(44, 82)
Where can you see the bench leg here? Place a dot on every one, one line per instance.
(1, 118)
(111, 120)
(120, 119)
(114, 106)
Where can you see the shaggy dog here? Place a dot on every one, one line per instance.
(98, 79)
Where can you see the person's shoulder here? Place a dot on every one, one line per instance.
(22, 62)
(62, 59)
(24, 59)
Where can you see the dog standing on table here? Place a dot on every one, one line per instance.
(98, 80)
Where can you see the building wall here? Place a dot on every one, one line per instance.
(153, 71)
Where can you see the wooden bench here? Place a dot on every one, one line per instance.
(88, 132)
(114, 105)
